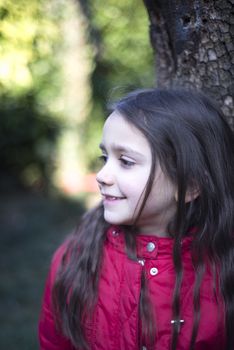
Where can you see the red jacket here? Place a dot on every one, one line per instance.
(116, 317)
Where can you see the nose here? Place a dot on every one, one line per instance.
(105, 176)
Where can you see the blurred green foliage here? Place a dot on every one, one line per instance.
(123, 59)
(26, 141)
(31, 78)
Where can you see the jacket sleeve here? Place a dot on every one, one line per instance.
(49, 337)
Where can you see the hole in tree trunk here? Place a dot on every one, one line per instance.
(186, 19)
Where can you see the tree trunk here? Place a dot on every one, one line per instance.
(193, 41)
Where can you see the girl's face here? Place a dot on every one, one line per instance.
(122, 180)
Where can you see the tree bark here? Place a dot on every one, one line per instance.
(193, 41)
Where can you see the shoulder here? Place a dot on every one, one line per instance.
(47, 308)
(49, 335)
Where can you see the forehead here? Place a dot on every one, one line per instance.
(118, 130)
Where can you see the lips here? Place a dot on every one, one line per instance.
(111, 198)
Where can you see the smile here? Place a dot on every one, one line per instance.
(108, 198)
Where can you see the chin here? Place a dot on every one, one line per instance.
(117, 221)
(113, 221)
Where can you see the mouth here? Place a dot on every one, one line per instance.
(109, 198)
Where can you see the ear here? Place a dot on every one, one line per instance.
(192, 193)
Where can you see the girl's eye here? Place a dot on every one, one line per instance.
(103, 158)
(127, 163)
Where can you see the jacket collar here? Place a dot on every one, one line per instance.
(148, 246)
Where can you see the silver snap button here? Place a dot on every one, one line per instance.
(150, 246)
(153, 271)
(115, 233)
(141, 261)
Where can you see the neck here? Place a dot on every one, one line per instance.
(153, 230)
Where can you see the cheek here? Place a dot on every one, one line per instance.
(162, 195)
(131, 190)
(134, 186)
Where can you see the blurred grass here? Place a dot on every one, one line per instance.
(32, 226)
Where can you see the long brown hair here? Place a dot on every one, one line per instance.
(192, 142)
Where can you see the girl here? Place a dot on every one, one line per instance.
(152, 267)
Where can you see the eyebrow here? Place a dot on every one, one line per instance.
(119, 148)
